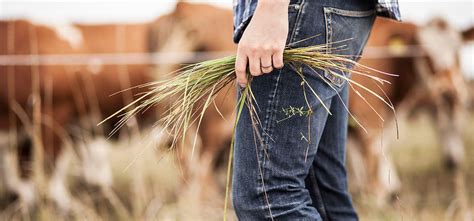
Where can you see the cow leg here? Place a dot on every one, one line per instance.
(58, 151)
(57, 189)
(358, 171)
(383, 182)
(373, 171)
(372, 154)
(8, 164)
(388, 179)
(449, 125)
(95, 166)
(23, 189)
(10, 171)
(215, 139)
(387, 176)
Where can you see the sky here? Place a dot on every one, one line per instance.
(458, 12)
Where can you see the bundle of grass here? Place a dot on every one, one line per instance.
(194, 88)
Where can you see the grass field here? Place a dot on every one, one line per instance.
(147, 185)
(427, 187)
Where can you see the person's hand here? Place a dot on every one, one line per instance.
(263, 41)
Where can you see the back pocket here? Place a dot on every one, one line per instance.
(347, 31)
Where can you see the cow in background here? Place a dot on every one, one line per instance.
(471, 93)
(43, 107)
(194, 28)
(426, 59)
(47, 107)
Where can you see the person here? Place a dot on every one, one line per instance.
(293, 167)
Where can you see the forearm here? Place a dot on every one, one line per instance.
(273, 2)
(272, 5)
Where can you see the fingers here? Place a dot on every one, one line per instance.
(278, 59)
(266, 64)
(260, 60)
(254, 65)
(241, 68)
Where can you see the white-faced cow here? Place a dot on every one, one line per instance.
(426, 58)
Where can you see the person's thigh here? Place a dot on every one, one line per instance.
(329, 163)
(350, 23)
(273, 157)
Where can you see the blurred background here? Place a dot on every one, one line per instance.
(62, 62)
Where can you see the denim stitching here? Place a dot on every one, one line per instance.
(349, 13)
(271, 110)
(328, 11)
(357, 56)
(247, 9)
(270, 114)
(296, 27)
(293, 7)
(329, 35)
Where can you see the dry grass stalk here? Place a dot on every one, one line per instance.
(194, 88)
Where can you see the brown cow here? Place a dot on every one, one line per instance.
(426, 59)
(79, 94)
(39, 102)
(184, 31)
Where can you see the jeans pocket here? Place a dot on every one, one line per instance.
(346, 28)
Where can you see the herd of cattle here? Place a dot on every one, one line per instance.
(45, 106)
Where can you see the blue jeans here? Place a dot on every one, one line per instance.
(297, 171)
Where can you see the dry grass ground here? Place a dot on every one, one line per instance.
(148, 184)
(427, 191)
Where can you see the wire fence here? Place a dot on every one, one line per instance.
(158, 58)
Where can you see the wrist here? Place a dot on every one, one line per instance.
(264, 3)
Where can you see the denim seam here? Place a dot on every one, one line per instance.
(349, 13)
(296, 27)
(270, 114)
(270, 111)
(294, 7)
(329, 34)
(328, 11)
(247, 9)
(356, 58)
